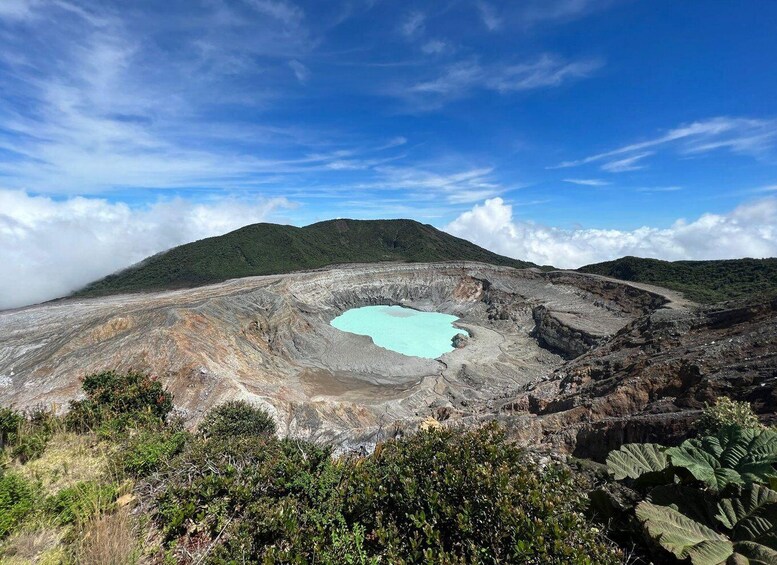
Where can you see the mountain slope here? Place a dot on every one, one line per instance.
(702, 281)
(262, 249)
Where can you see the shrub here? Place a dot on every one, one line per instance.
(237, 418)
(213, 480)
(17, 499)
(148, 450)
(84, 415)
(80, 502)
(27, 433)
(10, 421)
(440, 496)
(30, 445)
(446, 496)
(118, 427)
(726, 412)
(128, 397)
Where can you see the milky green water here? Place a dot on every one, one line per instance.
(407, 331)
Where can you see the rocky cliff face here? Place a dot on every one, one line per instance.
(555, 333)
(650, 381)
(268, 339)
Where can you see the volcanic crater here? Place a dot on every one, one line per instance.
(269, 340)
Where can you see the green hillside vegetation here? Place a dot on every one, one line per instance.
(118, 480)
(263, 249)
(702, 281)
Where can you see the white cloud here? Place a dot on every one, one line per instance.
(436, 47)
(285, 12)
(300, 71)
(588, 182)
(652, 189)
(746, 136)
(627, 163)
(535, 11)
(463, 187)
(749, 230)
(461, 78)
(17, 9)
(57, 246)
(101, 102)
(545, 71)
(454, 81)
(490, 18)
(413, 24)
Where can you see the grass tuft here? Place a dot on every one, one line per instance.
(110, 539)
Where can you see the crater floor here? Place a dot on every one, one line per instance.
(269, 340)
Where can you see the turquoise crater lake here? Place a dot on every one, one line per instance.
(406, 331)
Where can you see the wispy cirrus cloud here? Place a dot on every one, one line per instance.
(745, 136)
(489, 16)
(421, 186)
(300, 71)
(525, 14)
(425, 183)
(100, 104)
(588, 182)
(532, 12)
(462, 78)
(654, 189)
(413, 24)
(436, 47)
(286, 13)
(547, 71)
(631, 163)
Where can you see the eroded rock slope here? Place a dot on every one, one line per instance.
(651, 380)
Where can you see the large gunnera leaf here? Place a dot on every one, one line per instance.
(736, 456)
(634, 460)
(750, 553)
(684, 537)
(752, 516)
(688, 501)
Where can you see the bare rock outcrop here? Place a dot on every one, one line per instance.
(558, 332)
(459, 341)
(651, 380)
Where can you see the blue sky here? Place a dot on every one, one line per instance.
(529, 127)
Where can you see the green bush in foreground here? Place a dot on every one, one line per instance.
(80, 502)
(10, 422)
(30, 445)
(119, 398)
(17, 499)
(26, 434)
(148, 450)
(237, 418)
(471, 497)
(440, 496)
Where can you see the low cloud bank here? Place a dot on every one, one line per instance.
(49, 248)
(750, 230)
